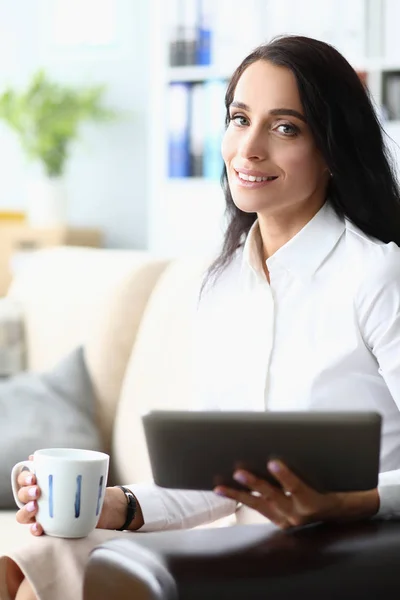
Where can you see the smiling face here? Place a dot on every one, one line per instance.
(272, 162)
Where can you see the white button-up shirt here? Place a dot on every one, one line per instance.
(324, 334)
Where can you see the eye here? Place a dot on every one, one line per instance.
(239, 120)
(287, 129)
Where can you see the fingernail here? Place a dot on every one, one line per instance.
(219, 492)
(240, 477)
(29, 480)
(274, 467)
(34, 527)
(32, 492)
(30, 507)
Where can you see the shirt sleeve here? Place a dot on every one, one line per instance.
(165, 509)
(389, 495)
(378, 308)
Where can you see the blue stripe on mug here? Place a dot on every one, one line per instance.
(51, 504)
(99, 496)
(78, 496)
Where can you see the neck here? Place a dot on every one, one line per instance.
(278, 228)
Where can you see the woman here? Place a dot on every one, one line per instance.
(302, 305)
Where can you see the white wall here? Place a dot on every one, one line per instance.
(106, 176)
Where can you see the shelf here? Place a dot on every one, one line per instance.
(196, 73)
(375, 64)
(204, 72)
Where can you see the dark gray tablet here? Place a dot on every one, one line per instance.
(335, 451)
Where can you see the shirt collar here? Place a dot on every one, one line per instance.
(303, 254)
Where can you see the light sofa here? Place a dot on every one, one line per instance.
(132, 313)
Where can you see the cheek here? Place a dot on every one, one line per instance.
(302, 162)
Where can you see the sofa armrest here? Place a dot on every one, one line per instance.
(360, 560)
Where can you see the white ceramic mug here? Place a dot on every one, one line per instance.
(72, 484)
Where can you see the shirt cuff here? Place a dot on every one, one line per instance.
(389, 495)
(152, 506)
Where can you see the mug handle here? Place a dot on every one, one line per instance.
(16, 470)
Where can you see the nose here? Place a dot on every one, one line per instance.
(253, 145)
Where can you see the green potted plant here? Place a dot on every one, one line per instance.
(47, 118)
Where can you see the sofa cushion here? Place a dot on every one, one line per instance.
(159, 370)
(12, 338)
(112, 336)
(42, 410)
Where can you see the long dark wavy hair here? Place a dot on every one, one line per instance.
(345, 127)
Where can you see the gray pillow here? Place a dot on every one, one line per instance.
(45, 410)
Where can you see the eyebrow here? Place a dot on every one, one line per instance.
(274, 111)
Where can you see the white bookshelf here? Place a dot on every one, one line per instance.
(186, 215)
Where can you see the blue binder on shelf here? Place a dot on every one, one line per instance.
(204, 32)
(178, 130)
(214, 125)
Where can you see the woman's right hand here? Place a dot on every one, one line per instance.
(112, 515)
(29, 493)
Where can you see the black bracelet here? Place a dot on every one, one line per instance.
(132, 507)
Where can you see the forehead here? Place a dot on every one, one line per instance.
(264, 85)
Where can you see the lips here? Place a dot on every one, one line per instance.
(254, 176)
(253, 179)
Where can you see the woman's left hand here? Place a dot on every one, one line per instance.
(296, 503)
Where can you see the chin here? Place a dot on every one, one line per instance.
(248, 205)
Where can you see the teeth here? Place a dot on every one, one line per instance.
(253, 178)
